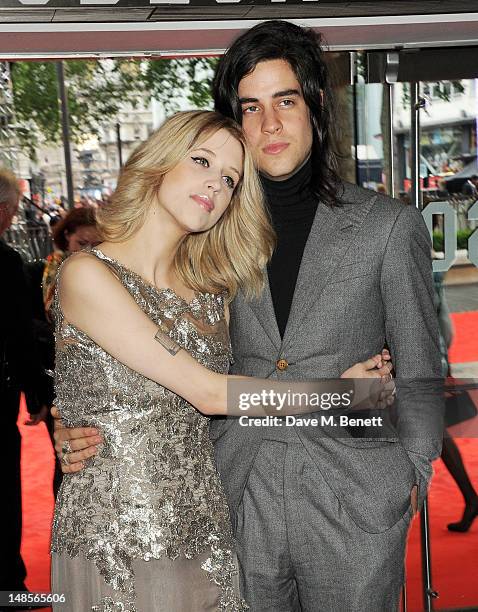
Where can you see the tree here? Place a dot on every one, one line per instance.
(187, 80)
(98, 89)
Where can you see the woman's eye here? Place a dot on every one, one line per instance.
(202, 161)
(229, 182)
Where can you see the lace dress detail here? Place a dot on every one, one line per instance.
(153, 489)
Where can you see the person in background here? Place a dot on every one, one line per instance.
(76, 231)
(72, 232)
(20, 371)
(450, 453)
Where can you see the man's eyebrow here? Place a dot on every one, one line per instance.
(278, 94)
(286, 92)
(212, 153)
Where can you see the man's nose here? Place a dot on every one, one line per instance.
(271, 123)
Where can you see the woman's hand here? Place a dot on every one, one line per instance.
(378, 366)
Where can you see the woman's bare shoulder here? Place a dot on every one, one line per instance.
(85, 271)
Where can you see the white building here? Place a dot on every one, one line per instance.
(448, 124)
(95, 162)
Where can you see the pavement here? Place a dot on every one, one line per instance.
(462, 298)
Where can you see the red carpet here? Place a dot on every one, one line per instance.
(37, 497)
(455, 565)
(465, 342)
(454, 555)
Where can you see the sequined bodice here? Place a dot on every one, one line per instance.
(153, 489)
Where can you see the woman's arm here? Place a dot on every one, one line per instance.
(94, 301)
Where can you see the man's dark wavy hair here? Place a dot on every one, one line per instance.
(301, 48)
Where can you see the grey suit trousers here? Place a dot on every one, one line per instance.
(298, 550)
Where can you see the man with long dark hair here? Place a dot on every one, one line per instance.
(321, 516)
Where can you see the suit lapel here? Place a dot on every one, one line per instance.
(263, 309)
(330, 237)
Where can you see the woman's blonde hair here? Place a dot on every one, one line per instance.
(232, 255)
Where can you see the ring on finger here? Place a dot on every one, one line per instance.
(64, 459)
(66, 447)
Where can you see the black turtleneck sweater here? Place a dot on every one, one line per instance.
(292, 207)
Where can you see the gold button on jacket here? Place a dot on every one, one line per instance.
(282, 364)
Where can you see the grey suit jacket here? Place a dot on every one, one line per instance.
(365, 280)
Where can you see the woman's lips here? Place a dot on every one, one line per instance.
(204, 202)
(275, 148)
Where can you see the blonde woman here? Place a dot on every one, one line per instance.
(142, 353)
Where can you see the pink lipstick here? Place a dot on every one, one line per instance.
(204, 202)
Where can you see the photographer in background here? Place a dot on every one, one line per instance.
(20, 371)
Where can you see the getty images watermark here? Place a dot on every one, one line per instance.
(286, 404)
(310, 402)
(345, 407)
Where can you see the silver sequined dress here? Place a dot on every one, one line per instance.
(152, 495)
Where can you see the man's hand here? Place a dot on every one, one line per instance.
(81, 440)
(35, 419)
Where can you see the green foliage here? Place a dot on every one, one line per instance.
(461, 239)
(36, 101)
(170, 81)
(438, 241)
(97, 90)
